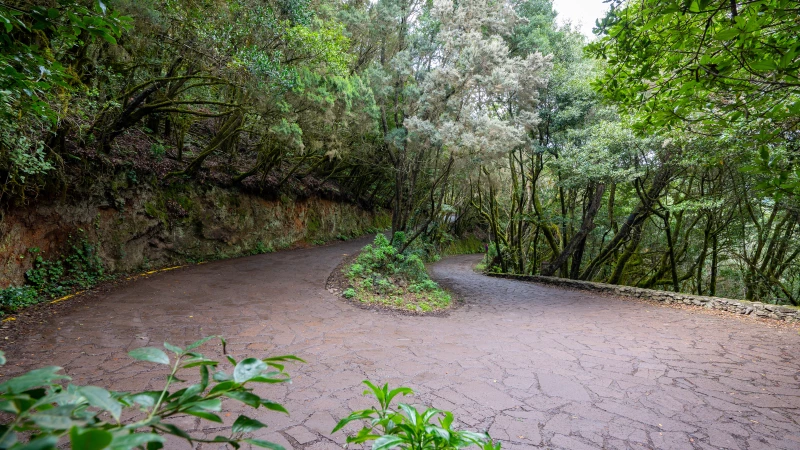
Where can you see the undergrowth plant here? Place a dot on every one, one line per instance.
(46, 413)
(79, 268)
(383, 275)
(407, 428)
(14, 298)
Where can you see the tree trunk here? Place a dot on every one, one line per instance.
(712, 285)
(634, 220)
(579, 239)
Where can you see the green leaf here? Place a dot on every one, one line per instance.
(447, 420)
(387, 442)
(58, 418)
(172, 429)
(377, 392)
(283, 358)
(274, 406)
(190, 392)
(146, 399)
(270, 378)
(194, 362)
(222, 376)
(413, 416)
(203, 378)
(2, 358)
(196, 344)
(401, 390)
(764, 64)
(46, 442)
(248, 369)
(264, 444)
(245, 397)
(101, 398)
(8, 406)
(727, 34)
(222, 387)
(204, 415)
(357, 415)
(149, 354)
(129, 441)
(244, 424)
(212, 404)
(35, 378)
(92, 439)
(172, 348)
(9, 438)
(109, 38)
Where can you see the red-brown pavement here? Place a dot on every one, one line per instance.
(535, 366)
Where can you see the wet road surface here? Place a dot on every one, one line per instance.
(536, 366)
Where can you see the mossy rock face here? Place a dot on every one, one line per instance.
(138, 224)
(313, 225)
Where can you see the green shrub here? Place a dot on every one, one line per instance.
(45, 275)
(407, 428)
(423, 286)
(158, 151)
(382, 274)
(83, 265)
(44, 410)
(355, 270)
(81, 268)
(262, 248)
(14, 298)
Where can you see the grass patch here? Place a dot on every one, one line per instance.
(383, 276)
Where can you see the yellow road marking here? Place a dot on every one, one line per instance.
(66, 297)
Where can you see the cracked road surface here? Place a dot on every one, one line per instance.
(535, 366)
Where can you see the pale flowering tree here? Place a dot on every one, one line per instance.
(476, 103)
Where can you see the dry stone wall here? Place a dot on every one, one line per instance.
(778, 312)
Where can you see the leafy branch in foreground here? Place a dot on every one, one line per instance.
(90, 417)
(409, 428)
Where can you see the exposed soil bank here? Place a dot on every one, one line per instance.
(137, 226)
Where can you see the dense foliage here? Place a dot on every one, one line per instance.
(384, 275)
(665, 156)
(679, 175)
(45, 412)
(169, 89)
(707, 65)
(79, 268)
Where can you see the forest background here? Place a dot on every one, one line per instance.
(660, 155)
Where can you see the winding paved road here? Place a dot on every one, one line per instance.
(536, 366)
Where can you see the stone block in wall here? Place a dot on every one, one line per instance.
(777, 312)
